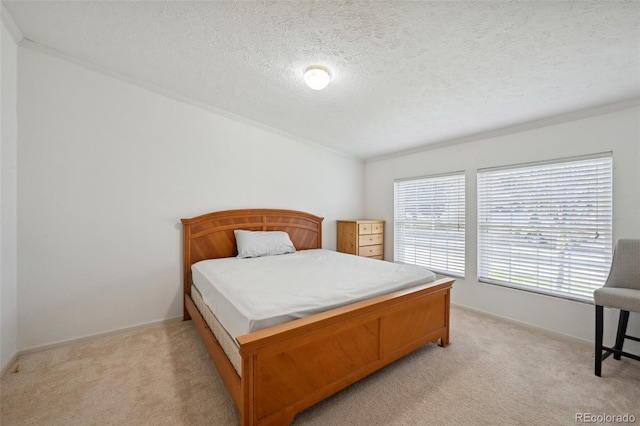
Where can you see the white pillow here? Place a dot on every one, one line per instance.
(262, 243)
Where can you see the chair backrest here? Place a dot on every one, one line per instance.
(625, 267)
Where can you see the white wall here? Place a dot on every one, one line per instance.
(8, 201)
(106, 169)
(617, 132)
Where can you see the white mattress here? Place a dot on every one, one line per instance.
(251, 294)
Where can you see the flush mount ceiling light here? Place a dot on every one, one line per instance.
(317, 77)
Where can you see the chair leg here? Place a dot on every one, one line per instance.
(599, 329)
(622, 331)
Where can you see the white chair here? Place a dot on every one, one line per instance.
(621, 291)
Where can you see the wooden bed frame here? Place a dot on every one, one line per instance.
(289, 367)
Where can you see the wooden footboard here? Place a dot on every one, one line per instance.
(290, 367)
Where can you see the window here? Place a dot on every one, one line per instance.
(429, 223)
(547, 227)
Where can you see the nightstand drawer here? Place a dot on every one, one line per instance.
(377, 228)
(370, 250)
(370, 240)
(364, 228)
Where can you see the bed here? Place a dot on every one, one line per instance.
(283, 369)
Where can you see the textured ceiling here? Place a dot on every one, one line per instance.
(406, 74)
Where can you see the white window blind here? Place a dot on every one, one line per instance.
(429, 223)
(547, 227)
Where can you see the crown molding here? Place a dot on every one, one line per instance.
(502, 131)
(26, 43)
(11, 26)
(516, 128)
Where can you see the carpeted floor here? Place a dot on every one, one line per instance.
(493, 373)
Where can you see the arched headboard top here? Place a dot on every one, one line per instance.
(210, 236)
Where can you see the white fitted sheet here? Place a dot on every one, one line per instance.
(251, 294)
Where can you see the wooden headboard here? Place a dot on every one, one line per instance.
(211, 236)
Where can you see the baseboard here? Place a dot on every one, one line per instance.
(97, 336)
(9, 364)
(546, 331)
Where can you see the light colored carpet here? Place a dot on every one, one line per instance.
(493, 372)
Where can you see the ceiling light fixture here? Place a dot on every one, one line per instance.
(317, 77)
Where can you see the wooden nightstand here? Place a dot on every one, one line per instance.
(361, 237)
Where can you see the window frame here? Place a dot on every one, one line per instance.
(582, 291)
(437, 226)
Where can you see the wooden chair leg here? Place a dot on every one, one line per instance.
(622, 331)
(599, 329)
